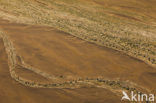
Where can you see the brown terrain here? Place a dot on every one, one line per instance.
(67, 57)
(13, 92)
(55, 59)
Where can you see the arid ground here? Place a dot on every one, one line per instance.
(76, 51)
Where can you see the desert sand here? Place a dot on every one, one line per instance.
(69, 58)
(76, 51)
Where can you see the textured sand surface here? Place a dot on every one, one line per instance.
(76, 51)
(124, 25)
(13, 92)
(60, 54)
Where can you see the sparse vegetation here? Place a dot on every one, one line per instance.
(129, 31)
(126, 26)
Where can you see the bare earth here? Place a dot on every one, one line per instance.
(13, 92)
(65, 56)
(76, 51)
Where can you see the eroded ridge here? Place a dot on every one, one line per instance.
(99, 82)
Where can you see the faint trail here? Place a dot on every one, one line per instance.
(113, 85)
